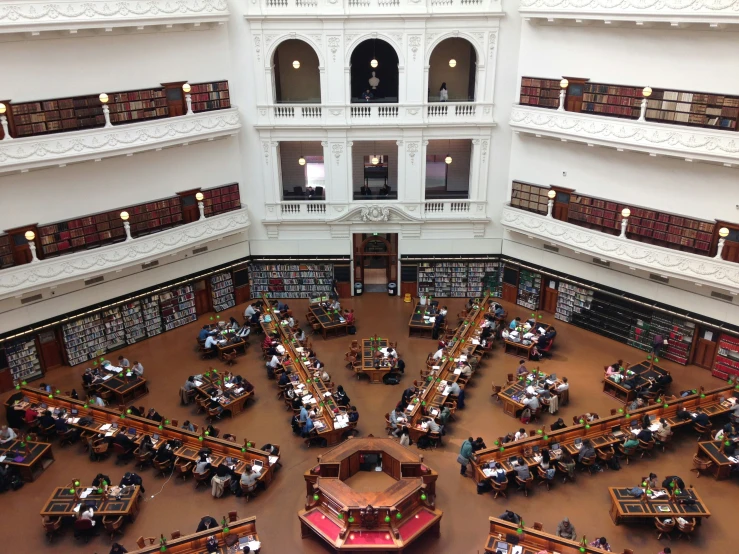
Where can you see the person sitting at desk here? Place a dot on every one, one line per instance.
(522, 471)
(249, 478)
(601, 543)
(559, 424)
(284, 379)
(725, 431)
(164, 454)
(187, 426)
(515, 322)
(117, 548)
(189, 384)
(204, 333)
(282, 306)
(307, 428)
(701, 418)
(456, 390)
(520, 434)
(531, 402)
(499, 474)
(46, 420)
(407, 396)
(397, 419)
(317, 364)
(614, 369)
(342, 399)
(123, 440)
(478, 444)
(202, 466)
(87, 377)
(123, 362)
(465, 370)
(138, 369)
(664, 431)
(630, 381)
(210, 342)
(269, 340)
(30, 415)
(636, 404)
(631, 442)
(299, 335)
(510, 516)
(87, 513)
(521, 370)
(563, 386)
(353, 414)
(133, 410)
(566, 530)
(586, 450)
(273, 365)
(7, 434)
(153, 415)
(438, 354)
(146, 447)
(206, 523)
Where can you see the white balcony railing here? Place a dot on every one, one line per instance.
(25, 278)
(36, 16)
(60, 149)
(312, 8)
(656, 139)
(310, 115)
(655, 259)
(430, 210)
(675, 13)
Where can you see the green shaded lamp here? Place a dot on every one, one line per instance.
(316, 497)
(398, 515)
(387, 519)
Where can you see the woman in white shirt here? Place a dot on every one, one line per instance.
(443, 93)
(521, 434)
(88, 514)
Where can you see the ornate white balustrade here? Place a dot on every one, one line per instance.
(25, 278)
(656, 139)
(311, 8)
(701, 270)
(310, 115)
(60, 149)
(676, 14)
(451, 210)
(35, 16)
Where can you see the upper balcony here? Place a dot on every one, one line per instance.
(370, 8)
(34, 17)
(699, 15)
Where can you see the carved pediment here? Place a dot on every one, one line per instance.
(377, 213)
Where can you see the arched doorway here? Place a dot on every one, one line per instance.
(375, 260)
(295, 74)
(374, 72)
(453, 63)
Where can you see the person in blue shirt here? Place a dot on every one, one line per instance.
(499, 311)
(353, 414)
(204, 332)
(303, 415)
(307, 428)
(515, 323)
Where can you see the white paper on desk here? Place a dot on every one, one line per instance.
(77, 508)
(447, 390)
(658, 494)
(517, 550)
(432, 320)
(273, 460)
(435, 367)
(458, 371)
(106, 377)
(463, 358)
(109, 434)
(312, 401)
(475, 341)
(73, 420)
(530, 389)
(198, 383)
(410, 407)
(239, 390)
(85, 495)
(487, 472)
(105, 427)
(732, 459)
(229, 385)
(253, 545)
(325, 394)
(2, 459)
(542, 330)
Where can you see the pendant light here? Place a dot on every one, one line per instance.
(296, 64)
(301, 160)
(374, 63)
(448, 159)
(452, 63)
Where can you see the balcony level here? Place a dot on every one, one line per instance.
(664, 262)
(370, 8)
(31, 18)
(634, 13)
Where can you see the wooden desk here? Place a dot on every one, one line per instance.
(62, 503)
(627, 508)
(518, 348)
(30, 464)
(419, 326)
(195, 543)
(229, 400)
(721, 468)
(102, 416)
(231, 347)
(123, 389)
(512, 395)
(532, 541)
(644, 371)
(330, 321)
(369, 349)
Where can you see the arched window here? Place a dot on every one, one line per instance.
(452, 68)
(374, 72)
(295, 74)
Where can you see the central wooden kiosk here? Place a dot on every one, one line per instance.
(379, 521)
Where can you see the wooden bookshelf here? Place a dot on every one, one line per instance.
(133, 321)
(693, 108)
(727, 358)
(612, 100)
(210, 96)
(222, 291)
(177, 307)
(529, 289)
(532, 198)
(138, 105)
(23, 359)
(221, 199)
(540, 92)
(6, 252)
(55, 116)
(291, 280)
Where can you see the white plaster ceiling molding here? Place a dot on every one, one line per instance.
(656, 139)
(663, 261)
(25, 278)
(255, 9)
(60, 149)
(34, 17)
(715, 14)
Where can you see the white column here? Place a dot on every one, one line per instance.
(349, 186)
(402, 189)
(475, 185)
(624, 225)
(643, 110)
(188, 101)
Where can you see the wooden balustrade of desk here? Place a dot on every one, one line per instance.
(431, 396)
(711, 404)
(195, 543)
(532, 541)
(146, 426)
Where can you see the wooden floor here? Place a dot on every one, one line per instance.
(169, 358)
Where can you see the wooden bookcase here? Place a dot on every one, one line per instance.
(612, 100)
(539, 92)
(138, 105)
(210, 96)
(532, 198)
(221, 199)
(693, 108)
(6, 252)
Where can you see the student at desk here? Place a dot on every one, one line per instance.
(521, 370)
(614, 369)
(522, 471)
(164, 454)
(138, 369)
(566, 530)
(510, 517)
(561, 387)
(87, 377)
(559, 424)
(520, 434)
(123, 362)
(407, 396)
(342, 399)
(210, 342)
(396, 420)
(601, 543)
(6, 434)
(439, 353)
(300, 335)
(725, 431)
(204, 333)
(273, 365)
(701, 418)
(153, 415)
(586, 450)
(117, 548)
(307, 428)
(531, 402)
(87, 513)
(499, 474)
(515, 322)
(202, 466)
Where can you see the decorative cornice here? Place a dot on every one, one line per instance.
(657, 139)
(35, 16)
(78, 146)
(25, 278)
(664, 261)
(674, 11)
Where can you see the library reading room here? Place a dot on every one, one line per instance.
(369, 276)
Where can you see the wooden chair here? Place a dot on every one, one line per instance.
(202, 478)
(543, 480)
(524, 484)
(230, 357)
(248, 491)
(350, 358)
(83, 529)
(510, 378)
(142, 460)
(67, 437)
(113, 526)
(388, 425)
(538, 526)
(176, 535)
(664, 528)
(646, 447)
(605, 455)
(588, 464)
(702, 430)
(183, 468)
(141, 541)
(686, 529)
(565, 474)
(496, 391)
(701, 465)
(161, 467)
(499, 488)
(99, 450)
(435, 439)
(626, 452)
(52, 526)
(233, 516)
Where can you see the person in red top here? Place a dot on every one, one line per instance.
(349, 316)
(30, 415)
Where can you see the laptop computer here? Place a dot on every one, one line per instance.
(258, 463)
(555, 447)
(553, 377)
(132, 431)
(578, 441)
(501, 547)
(114, 425)
(155, 437)
(616, 431)
(26, 399)
(535, 449)
(634, 424)
(74, 411)
(43, 405)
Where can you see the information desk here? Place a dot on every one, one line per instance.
(65, 501)
(627, 508)
(374, 364)
(385, 520)
(110, 422)
(721, 468)
(29, 458)
(434, 393)
(228, 397)
(503, 535)
(420, 324)
(643, 370)
(518, 348)
(331, 322)
(241, 531)
(329, 425)
(512, 395)
(600, 431)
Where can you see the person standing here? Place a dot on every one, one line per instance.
(443, 93)
(466, 453)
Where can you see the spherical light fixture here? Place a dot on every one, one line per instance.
(646, 92)
(551, 194)
(625, 213)
(448, 159)
(452, 63)
(3, 108)
(199, 196)
(723, 232)
(375, 160)
(296, 64)
(186, 88)
(124, 216)
(30, 235)
(301, 160)
(564, 83)
(374, 63)
(103, 98)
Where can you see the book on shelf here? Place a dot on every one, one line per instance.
(539, 92)
(221, 199)
(290, 280)
(84, 339)
(222, 291)
(572, 300)
(23, 359)
(177, 307)
(133, 321)
(115, 332)
(529, 289)
(210, 96)
(532, 198)
(152, 316)
(726, 365)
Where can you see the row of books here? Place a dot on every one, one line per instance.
(458, 278)
(222, 291)
(305, 280)
(572, 299)
(727, 358)
(529, 289)
(23, 360)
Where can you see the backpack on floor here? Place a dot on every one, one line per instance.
(423, 442)
(392, 379)
(352, 330)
